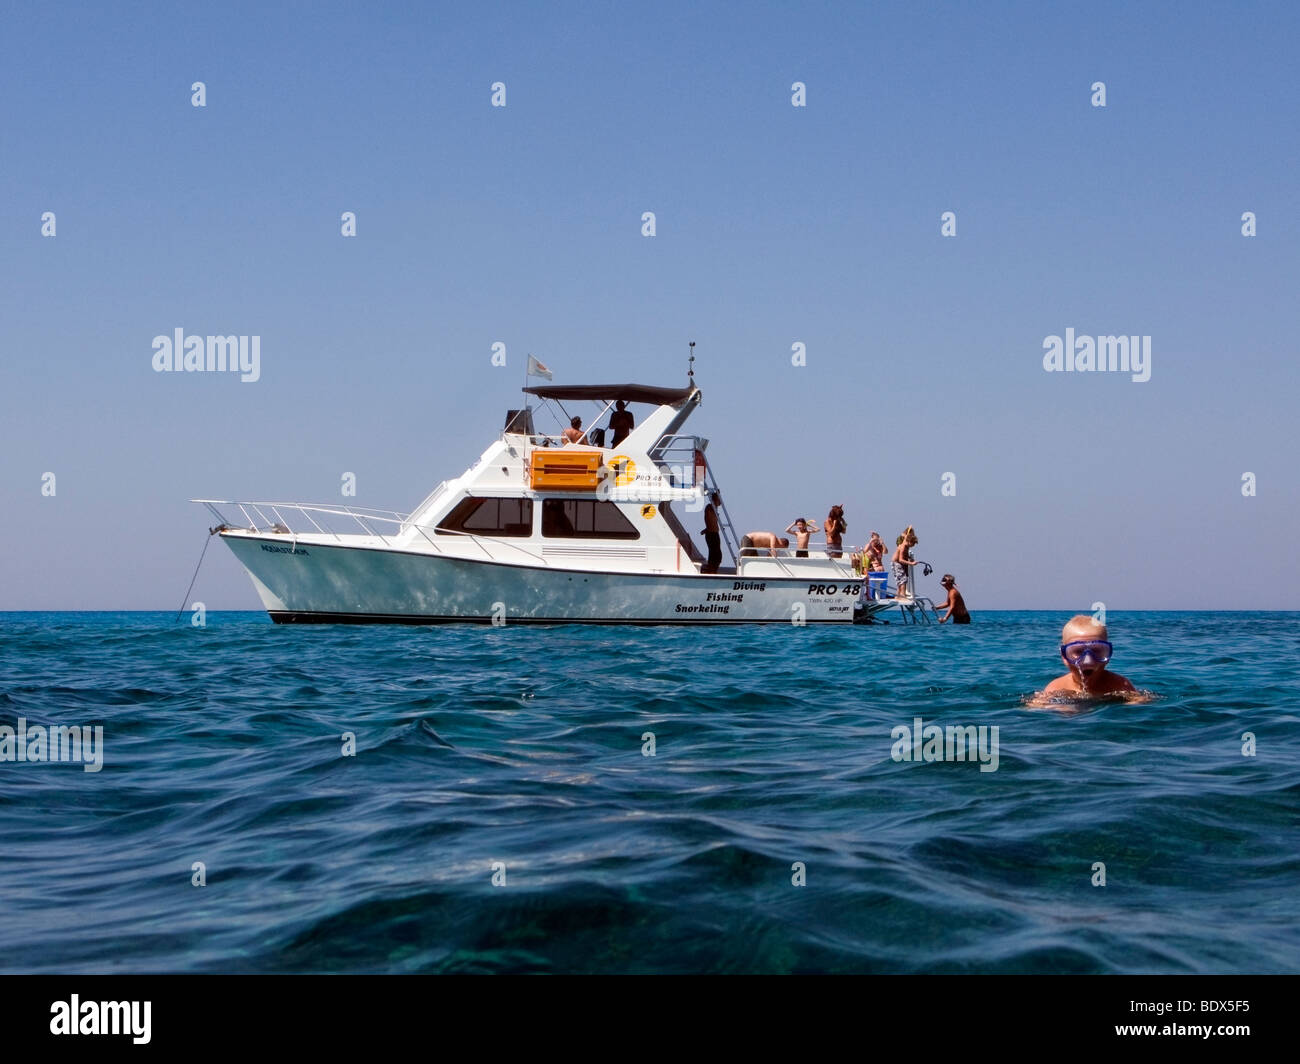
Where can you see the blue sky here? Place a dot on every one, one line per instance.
(775, 225)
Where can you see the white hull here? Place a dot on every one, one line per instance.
(305, 581)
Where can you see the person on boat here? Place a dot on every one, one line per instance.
(802, 530)
(836, 526)
(901, 560)
(712, 535)
(574, 433)
(769, 540)
(1086, 651)
(620, 423)
(875, 552)
(956, 605)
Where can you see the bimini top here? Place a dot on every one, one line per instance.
(629, 393)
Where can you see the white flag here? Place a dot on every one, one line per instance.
(536, 369)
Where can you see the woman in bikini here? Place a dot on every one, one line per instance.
(875, 552)
(836, 526)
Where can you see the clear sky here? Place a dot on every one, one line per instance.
(775, 225)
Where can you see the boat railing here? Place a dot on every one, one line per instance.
(782, 555)
(675, 456)
(727, 529)
(276, 517)
(537, 439)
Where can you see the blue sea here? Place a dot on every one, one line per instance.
(590, 799)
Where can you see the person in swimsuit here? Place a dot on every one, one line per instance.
(769, 540)
(875, 551)
(712, 535)
(901, 560)
(873, 557)
(836, 526)
(802, 529)
(956, 605)
(1086, 651)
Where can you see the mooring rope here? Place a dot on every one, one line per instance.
(211, 532)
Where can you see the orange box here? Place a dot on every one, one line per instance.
(565, 470)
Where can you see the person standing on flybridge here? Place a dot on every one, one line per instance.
(621, 423)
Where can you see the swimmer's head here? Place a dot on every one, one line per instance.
(782, 542)
(1083, 626)
(1083, 629)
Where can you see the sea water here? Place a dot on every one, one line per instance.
(658, 799)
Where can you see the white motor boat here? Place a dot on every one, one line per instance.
(543, 530)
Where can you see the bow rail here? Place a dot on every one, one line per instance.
(275, 517)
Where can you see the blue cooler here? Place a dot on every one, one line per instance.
(876, 585)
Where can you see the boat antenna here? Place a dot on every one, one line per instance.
(690, 367)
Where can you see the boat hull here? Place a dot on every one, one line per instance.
(303, 582)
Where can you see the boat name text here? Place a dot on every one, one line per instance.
(284, 550)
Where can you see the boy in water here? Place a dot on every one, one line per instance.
(1086, 652)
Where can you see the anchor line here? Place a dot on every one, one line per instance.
(211, 532)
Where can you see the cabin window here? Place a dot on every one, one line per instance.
(585, 519)
(489, 517)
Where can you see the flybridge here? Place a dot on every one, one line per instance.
(652, 462)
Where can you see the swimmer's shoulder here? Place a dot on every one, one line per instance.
(1119, 683)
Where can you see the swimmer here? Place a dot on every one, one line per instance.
(956, 605)
(1086, 652)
